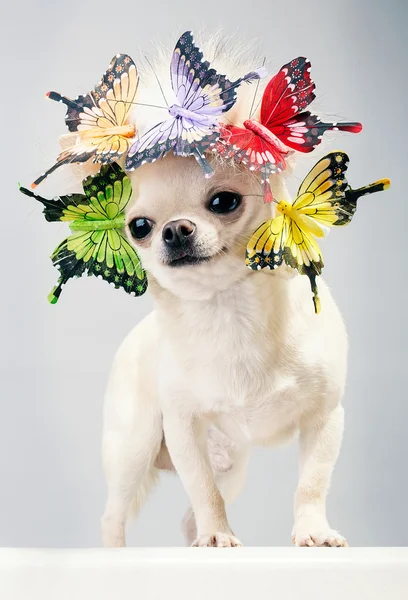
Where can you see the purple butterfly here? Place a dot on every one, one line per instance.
(202, 96)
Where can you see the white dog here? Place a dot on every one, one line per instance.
(228, 359)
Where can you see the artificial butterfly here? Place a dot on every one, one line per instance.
(263, 145)
(98, 122)
(97, 245)
(202, 95)
(324, 199)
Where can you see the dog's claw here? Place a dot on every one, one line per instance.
(330, 539)
(309, 532)
(217, 540)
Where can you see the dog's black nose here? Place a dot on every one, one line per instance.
(176, 233)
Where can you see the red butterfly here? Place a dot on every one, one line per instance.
(263, 145)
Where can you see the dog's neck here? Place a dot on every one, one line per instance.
(250, 300)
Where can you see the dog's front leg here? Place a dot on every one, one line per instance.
(186, 439)
(320, 439)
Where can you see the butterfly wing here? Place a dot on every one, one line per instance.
(154, 144)
(54, 209)
(105, 254)
(288, 93)
(285, 98)
(87, 206)
(321, 195)
(97, 245)
(305, 131)
(202, 95)
(100, 117)
(302, 252)
(198, 87)
(325, 195)
(282, 239)
(108, 104)
(108, 193)
(266, 246)
(351, 196)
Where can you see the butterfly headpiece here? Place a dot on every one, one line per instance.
(102, 131)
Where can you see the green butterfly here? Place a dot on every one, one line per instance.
(97, 245)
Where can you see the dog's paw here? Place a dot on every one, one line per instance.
(217, 540)
(329, 538)
(316, 532)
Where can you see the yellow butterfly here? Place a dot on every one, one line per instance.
(324, 199)
(98, 122)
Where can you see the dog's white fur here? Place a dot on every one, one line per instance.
(228, 359)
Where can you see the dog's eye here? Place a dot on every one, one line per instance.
(224, 202)
(140, 228)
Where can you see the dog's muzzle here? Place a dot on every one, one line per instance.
(180, 242)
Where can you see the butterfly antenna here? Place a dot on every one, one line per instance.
(224, 116)
(149, 105)
(93, 99)
(157, 79)
(140, 103)
(256, 91)
(135, 103)
(257, 105)
(137, 87)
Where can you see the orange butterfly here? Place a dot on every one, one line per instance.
(98, 121)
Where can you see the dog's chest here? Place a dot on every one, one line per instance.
(227, 356)
(224, 364)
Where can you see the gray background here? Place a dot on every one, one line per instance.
(55, 359)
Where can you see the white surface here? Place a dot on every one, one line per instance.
(204, 573)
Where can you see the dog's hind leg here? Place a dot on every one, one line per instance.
(126, 495)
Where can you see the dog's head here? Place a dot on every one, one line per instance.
(191, 232)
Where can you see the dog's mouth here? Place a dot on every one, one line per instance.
(188, 259)
(184, 259)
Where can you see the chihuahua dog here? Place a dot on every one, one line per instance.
(228, 359)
